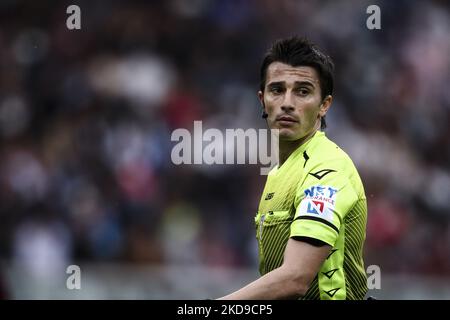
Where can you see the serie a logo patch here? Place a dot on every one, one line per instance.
(319, 202)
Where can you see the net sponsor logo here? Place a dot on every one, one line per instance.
(319, 201)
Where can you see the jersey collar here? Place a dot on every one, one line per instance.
(313, 140)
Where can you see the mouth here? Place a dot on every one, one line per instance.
(286, 120)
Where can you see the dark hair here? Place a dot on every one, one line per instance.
(297, 51)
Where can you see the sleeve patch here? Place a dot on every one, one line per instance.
(319, 202)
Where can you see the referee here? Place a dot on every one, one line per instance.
(311, 219)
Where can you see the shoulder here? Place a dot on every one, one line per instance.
(328, 162)
(327, 153)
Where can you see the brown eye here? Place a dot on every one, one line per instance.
(303, 91)
(275, 90)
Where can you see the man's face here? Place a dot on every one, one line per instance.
(292, 100)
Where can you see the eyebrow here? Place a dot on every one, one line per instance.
(296, 83)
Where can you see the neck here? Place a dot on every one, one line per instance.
(287, 147)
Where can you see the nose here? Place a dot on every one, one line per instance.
(287, 105)
(287, 108)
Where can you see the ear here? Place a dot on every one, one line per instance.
(326, 104)
(261, 99)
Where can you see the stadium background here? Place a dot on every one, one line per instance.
(85, 124)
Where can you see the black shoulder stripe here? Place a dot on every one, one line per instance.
(322, 173)
(328, 223)
(306, 157)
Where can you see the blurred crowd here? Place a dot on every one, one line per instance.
(86, 118)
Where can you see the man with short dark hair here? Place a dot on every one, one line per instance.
(311, 220)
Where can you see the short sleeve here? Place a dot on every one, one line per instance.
(324, 199)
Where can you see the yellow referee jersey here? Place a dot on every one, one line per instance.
(317, 193)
